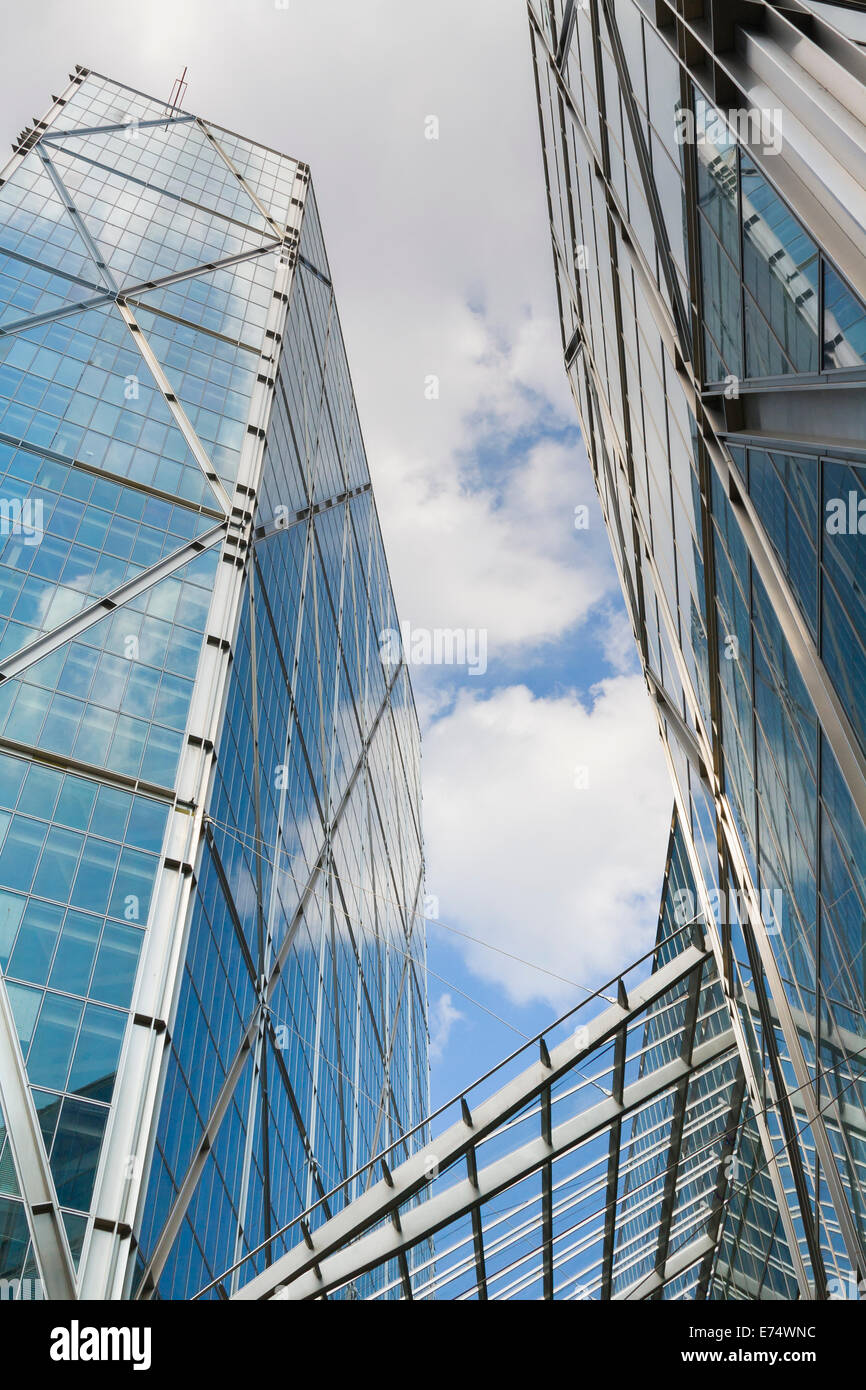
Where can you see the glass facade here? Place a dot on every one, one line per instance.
(213, 1000)
(712, 322)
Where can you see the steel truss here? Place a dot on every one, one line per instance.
(597, 1152)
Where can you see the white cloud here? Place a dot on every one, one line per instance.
(442, 1018)
(618, 644)
(520, 857)
(504, 559)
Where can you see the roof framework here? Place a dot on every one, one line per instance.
(586, 1165)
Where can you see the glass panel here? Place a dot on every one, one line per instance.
(784, 489)
(25, 1006)
(37, 938)
(76, 1151)
(844, 587)
(14, 1238)
(93, 1070)
(53, 1041)
(781, 270)
(844, 324)
(118, 960)
(721, 301)
(11, 909)
(74, 960)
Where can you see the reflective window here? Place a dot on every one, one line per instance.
(784, 488)
(844, 324)
(719, 233)
(780, 271)
(117, 696)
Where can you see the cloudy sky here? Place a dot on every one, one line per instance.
(546, 802)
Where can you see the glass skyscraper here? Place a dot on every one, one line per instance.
(213, 998)
(705, 175)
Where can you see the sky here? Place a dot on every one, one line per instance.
(546, 800)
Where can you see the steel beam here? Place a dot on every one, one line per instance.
(349, 1259)
(412, 1175)
(613, 1165)
(652, 1284)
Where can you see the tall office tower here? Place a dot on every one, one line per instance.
(213, 1004)
(707, 196)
